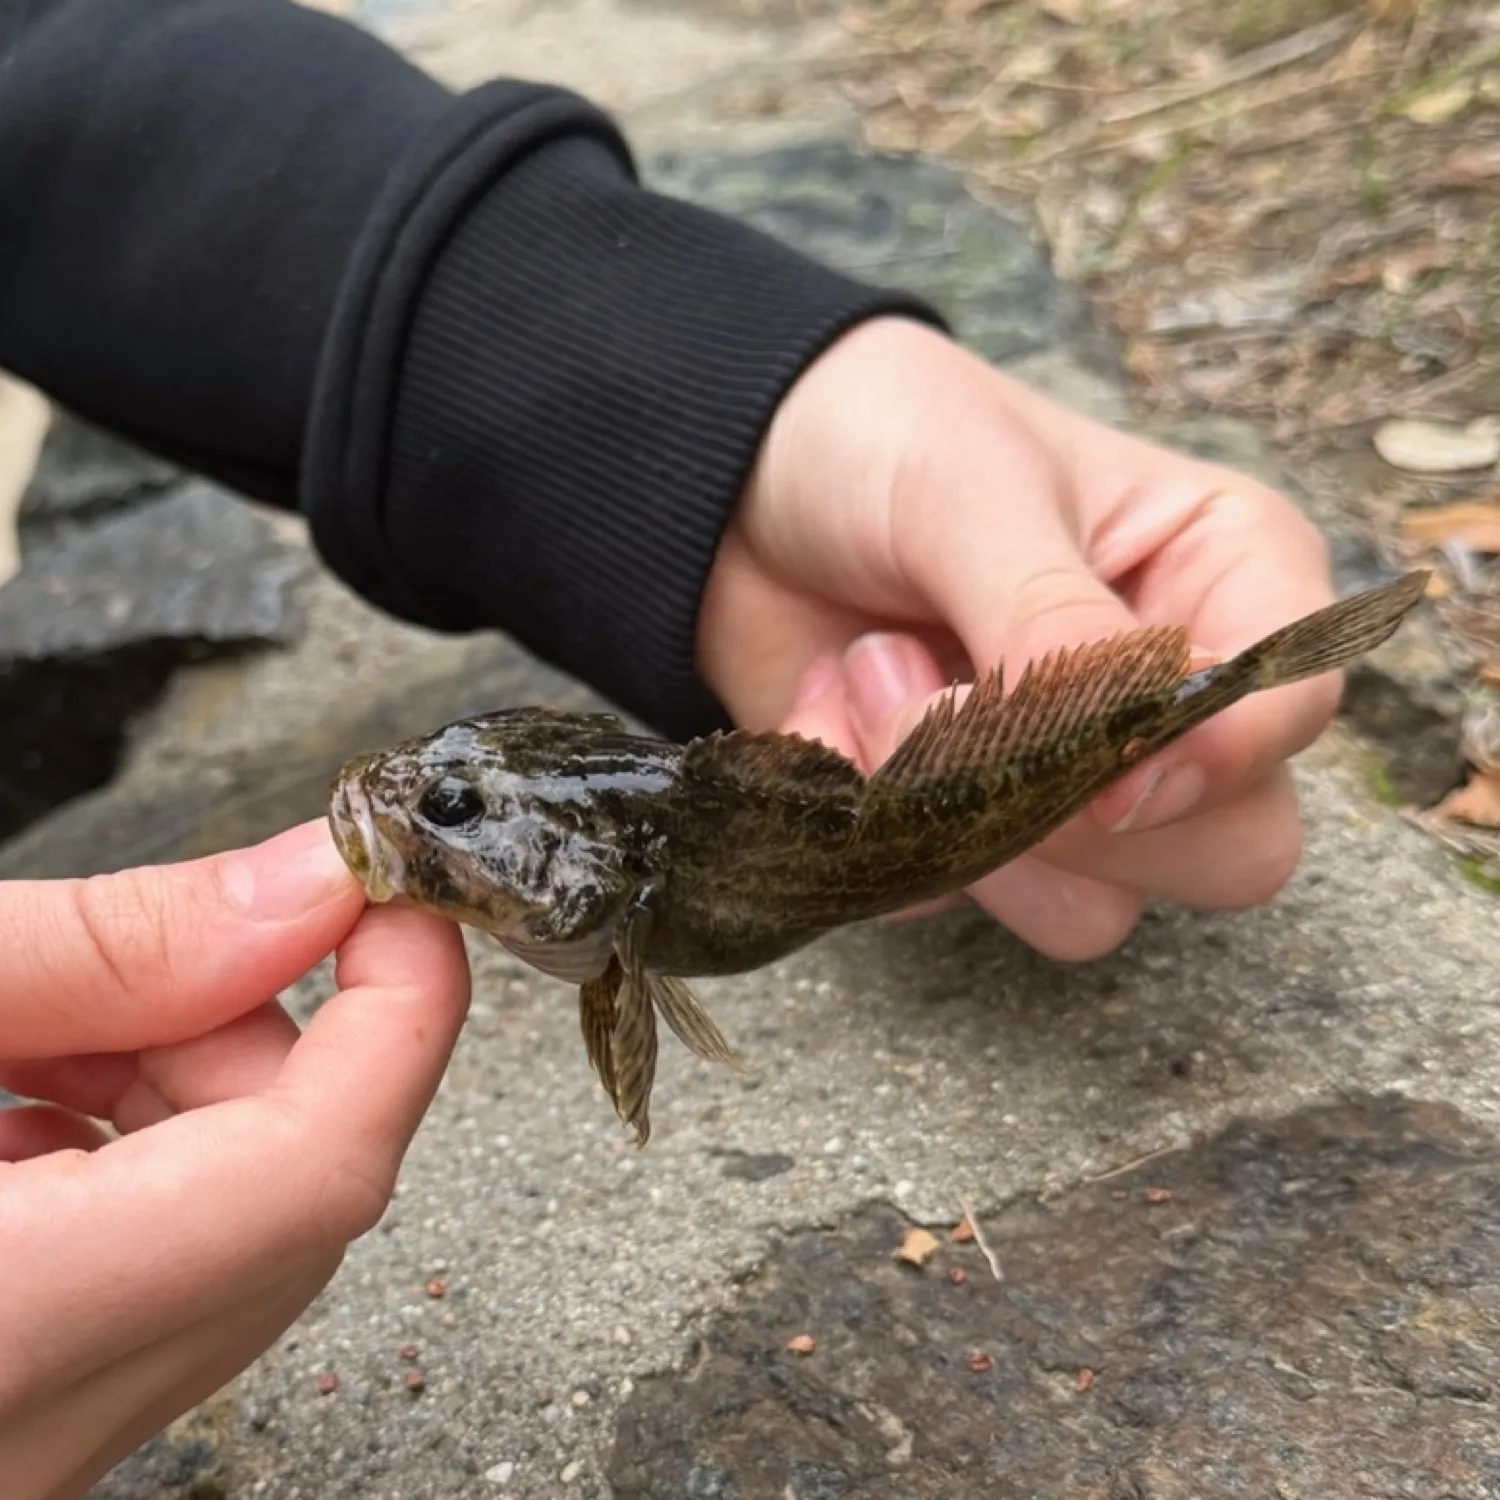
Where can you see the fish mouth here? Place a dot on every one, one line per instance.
(377, 865)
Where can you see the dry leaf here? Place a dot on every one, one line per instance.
(802, 1343)
(1438, 447)
(963, 1233)
(1438, 106)
(1468, 166)
(1475, 523)
(1489, 674)
(917, 1247)
(1477, 803)
(1069, 12)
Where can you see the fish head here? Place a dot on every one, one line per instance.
(495, 822)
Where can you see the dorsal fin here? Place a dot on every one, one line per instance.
(1053, 698)
(770, 764)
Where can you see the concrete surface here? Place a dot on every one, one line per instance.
(893, 1069)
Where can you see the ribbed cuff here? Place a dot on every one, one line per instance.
(544, 391)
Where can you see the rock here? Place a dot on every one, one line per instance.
(902, 221)
(1323, 1277)
(285, 780)
(1406, 697)
(93, 625)
(1439, 447)
(82, 473)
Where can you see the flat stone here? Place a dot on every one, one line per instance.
(1299, 1306)
(93, 626)
(83, 473)
(239, 800)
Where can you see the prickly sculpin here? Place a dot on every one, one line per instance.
(625, 864)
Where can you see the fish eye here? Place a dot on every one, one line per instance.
(450, 803)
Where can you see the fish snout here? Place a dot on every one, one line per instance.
(351, 816)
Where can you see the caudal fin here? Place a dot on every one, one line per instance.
(1333, 637)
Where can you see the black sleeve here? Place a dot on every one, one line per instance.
(508, 387)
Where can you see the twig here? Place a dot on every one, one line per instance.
(1140, 1161)
(1298, 47)
(984, 1249)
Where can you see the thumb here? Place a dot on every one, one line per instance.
(153, 956)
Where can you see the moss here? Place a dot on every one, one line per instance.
(1482, 872)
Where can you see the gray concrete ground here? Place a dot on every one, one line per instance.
(906, 1067)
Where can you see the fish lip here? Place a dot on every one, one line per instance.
(378, 865)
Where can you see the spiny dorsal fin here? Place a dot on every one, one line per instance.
(1053, 698)
(770, 765)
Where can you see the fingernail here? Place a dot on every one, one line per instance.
(820, 679)
(287, 875)
(882, 672)
(1164, 795)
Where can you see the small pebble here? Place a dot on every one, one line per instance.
(1158, 1195)
(500, 1473)
(581, 1398)
(408, 1351)
(571, 1472)
(437, 1287)
(1085, 1381)
(415, 1380)
(328, 1383)
(802, 1343)
(980, 1362)
(957, 1275)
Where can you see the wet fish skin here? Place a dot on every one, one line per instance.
(625, 864)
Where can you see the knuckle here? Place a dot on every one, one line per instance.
(354, 1199)
(345, 1193)
(123, 921)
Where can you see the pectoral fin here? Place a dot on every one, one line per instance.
(596, 1018)
(633, 1043)
(619, 1033)
(692, 1025)
(617, 1012)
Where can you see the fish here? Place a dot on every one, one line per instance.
(627, 864)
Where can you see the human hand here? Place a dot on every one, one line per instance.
(913, 511)
(143, 1272)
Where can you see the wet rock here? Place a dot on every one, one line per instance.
(1302, 1306)
(92, 627)
(285, 779)
(1405, 697)
(901, 221)
(83, 473)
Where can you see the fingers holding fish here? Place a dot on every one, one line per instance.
(1241, 563)
(1237, 854)
(151, 956)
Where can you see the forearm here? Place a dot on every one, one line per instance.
(508, 387)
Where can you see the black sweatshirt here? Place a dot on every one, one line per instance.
(507, 386)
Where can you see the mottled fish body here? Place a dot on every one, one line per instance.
(626, 864)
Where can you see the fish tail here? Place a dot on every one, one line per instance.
(1332, 637)
(976, 784)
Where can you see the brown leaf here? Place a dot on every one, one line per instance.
(1475, 523)
(917, 1247)
(1468, 166)
(1489, 674)
(963, 1233)
(1477, 803)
